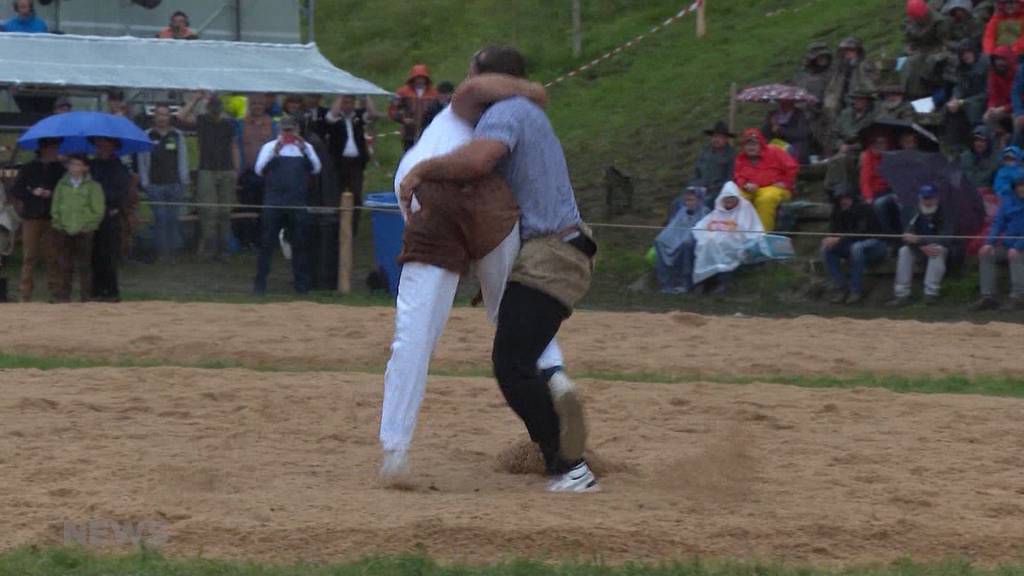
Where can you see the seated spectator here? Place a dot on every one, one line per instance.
(33, 191)
(979, 162)
(178, 28)
(845, 140)
(923, 33)
(1005, 29)
(715, 164)
(675, 245)
(983, 11)
(77, 210)
(1000, 84)
(960, 24)
(789, 124)
(766, 174)
(872, 184)
(894, 105)
(852, 73)
(813, 77)
(850, 215)
(1004, 245)
(929, 220)
(1009, 167)
(966, 105)
(725, 237)
(25, 19)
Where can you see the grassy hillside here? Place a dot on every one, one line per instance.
(641, 112)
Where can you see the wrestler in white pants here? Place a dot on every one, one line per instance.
(425, 297)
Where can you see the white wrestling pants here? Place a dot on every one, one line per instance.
(425, 297)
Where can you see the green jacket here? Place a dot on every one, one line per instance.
(77, 210)
(848, 126)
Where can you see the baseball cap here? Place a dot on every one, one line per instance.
(928, 191)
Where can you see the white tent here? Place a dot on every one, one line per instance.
(48, 60)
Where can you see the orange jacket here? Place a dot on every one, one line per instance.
(998, 28)
(871, 182)
(773, 165)
(408, 105)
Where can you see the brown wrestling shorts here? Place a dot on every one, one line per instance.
(459, 223)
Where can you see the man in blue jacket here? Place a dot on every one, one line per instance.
(1005, 243)
(25, 19)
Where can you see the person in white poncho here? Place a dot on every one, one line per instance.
(725, 236)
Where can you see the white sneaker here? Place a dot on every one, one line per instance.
(579, 479)
(394, 467)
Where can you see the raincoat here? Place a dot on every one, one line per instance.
(669, 243)
(980, 169)
(409, 108)
(1003, 183)
(1000, 86)
(724, 237)
(1009, 222)
(1004, 30)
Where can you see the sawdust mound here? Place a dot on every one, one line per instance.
(523, 457)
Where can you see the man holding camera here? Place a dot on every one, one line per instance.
(285, 163)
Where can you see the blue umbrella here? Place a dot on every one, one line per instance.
(75, 128)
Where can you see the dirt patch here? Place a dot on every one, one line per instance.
(523, 457)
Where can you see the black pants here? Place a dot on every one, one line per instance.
(527, 322)
(106, 249)
(350, 179)
(250, 191)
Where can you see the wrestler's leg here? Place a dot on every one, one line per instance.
(425, 297)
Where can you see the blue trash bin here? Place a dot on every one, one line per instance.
(387, 227)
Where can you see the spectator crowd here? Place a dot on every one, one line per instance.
(955, 94)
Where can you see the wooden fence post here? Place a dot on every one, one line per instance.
(345, 244)
(702, 23)
(732, 107)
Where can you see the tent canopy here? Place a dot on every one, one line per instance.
(144, 63)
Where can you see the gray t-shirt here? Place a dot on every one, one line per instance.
(534, 167)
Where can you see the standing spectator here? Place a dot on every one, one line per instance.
(716, 163)
(675, 246)
(979, 162)
(178, 29)
(409, 108)
(116, 104)
(107, 170)
(164, 173)
(218, 173)
(25, 19)
(286, 162)
(1004, 244)
(852, 73)
(789, 124)
(845, 138)
(814, 77)
(346, 126)
(766, 174)
(1005, 28)
(872, 184)
(1000, 84)
(929, 221)
(893, 104)
(77, 210)
(966, 108)
(315, 119)
(253, 131)
(850, 215)
(33, 191)
(444, 90)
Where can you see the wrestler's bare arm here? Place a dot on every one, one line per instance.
(474, 94)
(472, 160)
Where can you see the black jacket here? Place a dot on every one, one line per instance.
(115, 179)
(937, 224)
(36, 174)
(337, 136)
(859, 219)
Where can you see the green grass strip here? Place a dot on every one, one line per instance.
(146, 562)
(986, 385)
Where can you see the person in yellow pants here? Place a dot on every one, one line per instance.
(765, 173)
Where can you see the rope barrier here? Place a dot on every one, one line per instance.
(609, 225)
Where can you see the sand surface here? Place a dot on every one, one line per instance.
(306, 335)
(279, 467)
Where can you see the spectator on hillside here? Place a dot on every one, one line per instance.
(789, 124)
(117, 183)
(164, 174)
(966, 108)
(409, 108)
(286, 163)
(813, 77)
(674, 247)
(1005, 28)
(1000, 84)
(217, 178)
(850, 215)
(178, 29)
(347, 144)
(853, 120)
(716, 163)
(1004, 244)
(852, 73)
(961, 24)
(253, 131)
(444, 90)
(980, 162)
(724, 238)
(1009, 166)
(928, 221)
(77, 210)
(893, 104)
(33, 193)
(25, 19)
(872, 184)
(766, 174)
(983, 11)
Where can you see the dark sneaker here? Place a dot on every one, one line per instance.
(838, 297)
(931, 299)
(854, 298)
(986, 303)
(898, 302)
(1015, 303)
